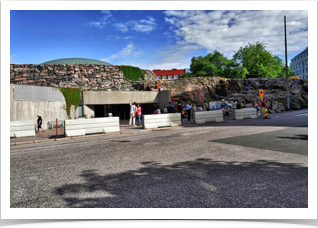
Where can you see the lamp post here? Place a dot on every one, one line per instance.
(286, 67)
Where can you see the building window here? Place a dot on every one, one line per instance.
(158, 77)
(169, 77)
(303, 70)
(163, 77)
(306, 70)
(176, 77)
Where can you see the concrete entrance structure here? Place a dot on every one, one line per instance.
(92, 99)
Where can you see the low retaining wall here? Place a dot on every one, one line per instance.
(245, 113)
(207, 116)
(88, 126)
(161, 120)
(22, 128)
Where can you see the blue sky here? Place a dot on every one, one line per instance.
(149, 39)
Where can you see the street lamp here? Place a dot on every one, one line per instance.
(286, 67)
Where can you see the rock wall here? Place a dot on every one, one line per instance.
(196, 90)
(86, 77)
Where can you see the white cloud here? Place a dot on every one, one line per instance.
(12, 60)
(125, 53)
(109, 37)
(143, 25)
(103, 21)
(121, 27)
(211, 30)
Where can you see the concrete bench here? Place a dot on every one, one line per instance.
(53, 122)
(22, 128)
(245, 113)
(94, 125)
(161, 120)
(207, 116)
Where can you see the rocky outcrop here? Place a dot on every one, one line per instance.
(196, 90)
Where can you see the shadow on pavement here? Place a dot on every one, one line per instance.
(202, 183)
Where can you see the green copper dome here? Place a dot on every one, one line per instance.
(75, 61)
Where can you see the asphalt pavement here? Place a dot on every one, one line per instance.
(260, 163)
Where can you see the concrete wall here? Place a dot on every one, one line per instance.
(28, 110)
(164, 98)
(119, 97)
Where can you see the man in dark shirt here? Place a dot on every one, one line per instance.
(263, 105)
(40, 123)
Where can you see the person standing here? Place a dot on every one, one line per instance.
(193, 110)
(263, 105)
(205, 106)
(238, 105)
(39, 121)
(169, 107)
(132, 117)
(188, 108)
(256, 107)
(138, 112)
(223, 105)
(165, 110)
(179, 107)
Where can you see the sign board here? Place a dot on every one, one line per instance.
(261, 94)
(176, 98)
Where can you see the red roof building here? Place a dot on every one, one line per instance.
(168, 74)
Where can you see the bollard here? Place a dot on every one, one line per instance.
(56, 126)
(266, 112)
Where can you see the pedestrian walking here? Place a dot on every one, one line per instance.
(188, 108)
(39, 121)
(165, 110)
(132, 116)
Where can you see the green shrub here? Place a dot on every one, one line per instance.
(132, 73)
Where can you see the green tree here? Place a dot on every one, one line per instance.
(214, 64)
(256, 61)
